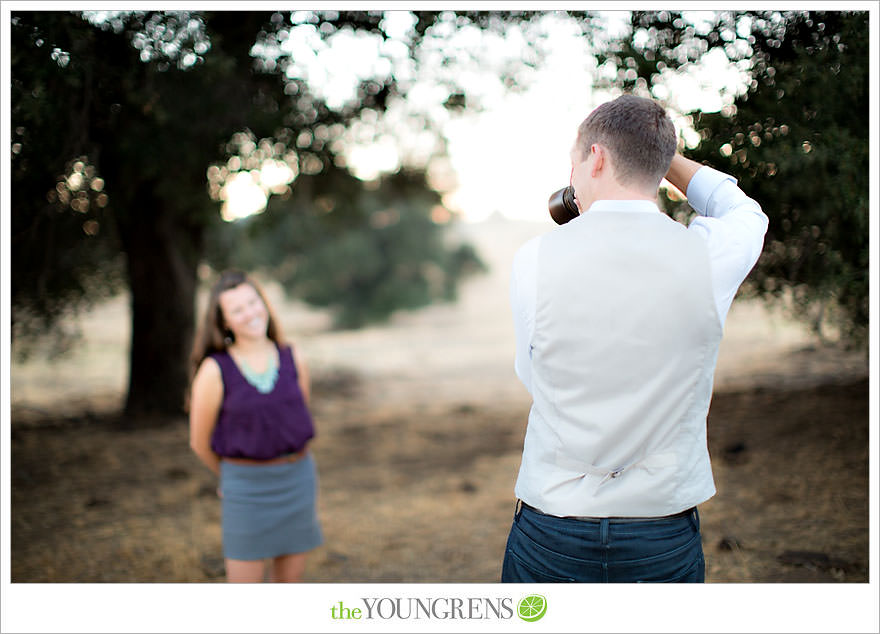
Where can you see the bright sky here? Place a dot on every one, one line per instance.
(507, 158)
(511, 158)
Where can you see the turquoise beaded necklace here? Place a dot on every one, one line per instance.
(263, 381)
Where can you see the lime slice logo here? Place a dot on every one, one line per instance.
(532, 607)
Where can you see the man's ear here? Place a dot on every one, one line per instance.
(598, 154)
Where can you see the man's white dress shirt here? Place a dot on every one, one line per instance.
(618, 315)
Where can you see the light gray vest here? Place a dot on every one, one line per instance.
(623, 356)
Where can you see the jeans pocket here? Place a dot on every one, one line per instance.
(517, 570)
(530, 560)
(675, 570)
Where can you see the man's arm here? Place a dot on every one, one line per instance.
(732, 224)
(681, 171)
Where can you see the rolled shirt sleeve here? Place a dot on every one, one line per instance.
(733, 226)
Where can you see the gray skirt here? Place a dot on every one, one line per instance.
(269, 510)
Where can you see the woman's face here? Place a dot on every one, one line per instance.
(244, 312)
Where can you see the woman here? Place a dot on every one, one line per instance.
(250, 424)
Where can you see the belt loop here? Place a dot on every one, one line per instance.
(694, 519)
(603, 530)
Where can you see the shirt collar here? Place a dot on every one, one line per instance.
(624, 205)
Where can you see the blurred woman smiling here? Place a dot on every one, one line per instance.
(250, 424)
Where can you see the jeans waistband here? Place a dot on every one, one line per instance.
(614, 520)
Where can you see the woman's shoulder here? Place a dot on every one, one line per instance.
(286, 347)
(209, 372)
(216, 360)
(292, 351)
(211, 364)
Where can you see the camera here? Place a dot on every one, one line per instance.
(562, 205)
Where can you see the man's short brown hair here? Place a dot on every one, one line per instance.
(637, 133)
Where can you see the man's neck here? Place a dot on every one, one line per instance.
(622, 193)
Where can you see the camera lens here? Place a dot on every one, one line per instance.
(562, 205)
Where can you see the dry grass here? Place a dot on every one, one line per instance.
(425, 494)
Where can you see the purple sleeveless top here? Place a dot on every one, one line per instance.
(261, 426)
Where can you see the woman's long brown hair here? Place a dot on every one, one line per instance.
(212, 334)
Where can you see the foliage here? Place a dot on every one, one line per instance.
(64, 249)
(117, 116)
(796, 140)
(362, 252)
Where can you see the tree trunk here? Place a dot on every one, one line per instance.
(162, 256)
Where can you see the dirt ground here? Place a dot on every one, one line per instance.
(425, 494)
(420, 426)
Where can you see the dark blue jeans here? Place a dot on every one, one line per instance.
(547, 549)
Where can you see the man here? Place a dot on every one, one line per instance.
(618, 316)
